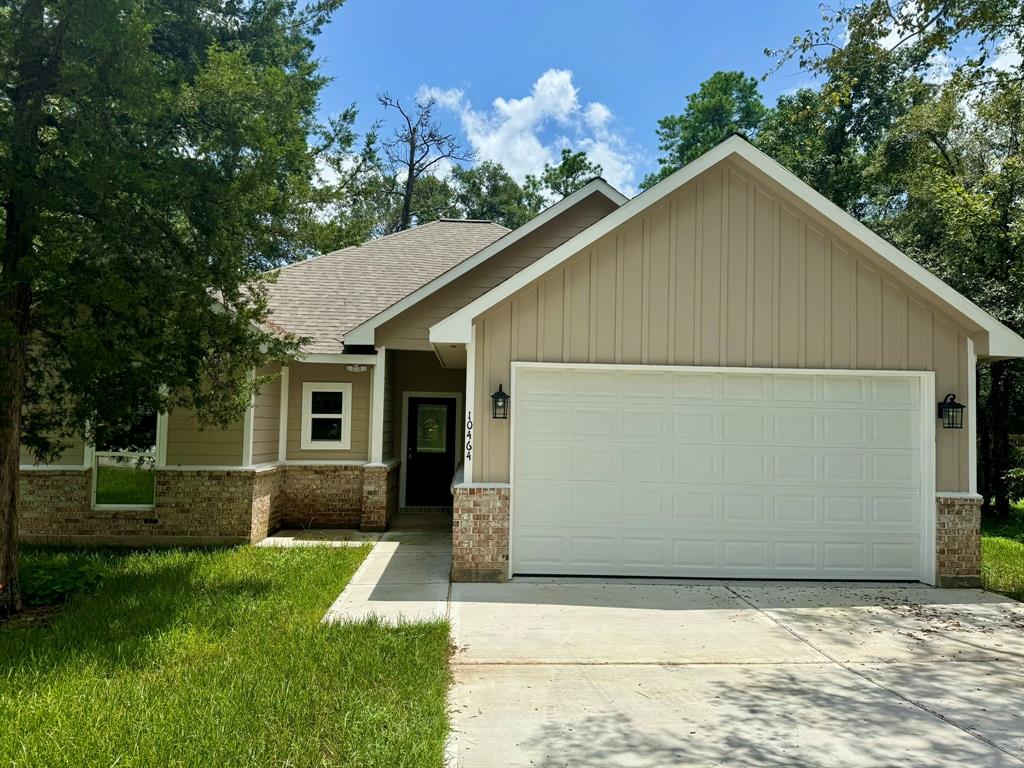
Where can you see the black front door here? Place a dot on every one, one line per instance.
(430, 458)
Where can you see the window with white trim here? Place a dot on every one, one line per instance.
(326, 422)
(124, 463)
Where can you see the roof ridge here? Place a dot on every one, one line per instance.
(353, 247)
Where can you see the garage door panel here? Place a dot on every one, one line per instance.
(784, 475)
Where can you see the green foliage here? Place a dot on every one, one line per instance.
(574, 169)
(725, 103)
(487, 191)
(1002, 554)
(50, 577)
(931, 159)
(922, 29)
(159, 158)
(216, 658)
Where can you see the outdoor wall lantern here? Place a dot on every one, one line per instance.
(499, 404)
(951, 412)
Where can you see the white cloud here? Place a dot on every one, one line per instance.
(1007, 57)
(516, 132)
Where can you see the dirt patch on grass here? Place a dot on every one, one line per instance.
(34, 616)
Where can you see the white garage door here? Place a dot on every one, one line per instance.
(636, 471)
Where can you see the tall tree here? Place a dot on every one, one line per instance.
(488, 191)
(574, 169)
(955, 172)
(154, 160)
(418, 145)
(725, 103)
(945, 173)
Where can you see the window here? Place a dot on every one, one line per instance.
(124, 463)
(325, 416)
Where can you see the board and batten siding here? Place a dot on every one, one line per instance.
(266, 417)
(726, 271)
(410, 329)
(358, 411)
(388, 450)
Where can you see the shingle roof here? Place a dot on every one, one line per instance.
(324, 297)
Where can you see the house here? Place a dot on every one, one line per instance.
(726, 376)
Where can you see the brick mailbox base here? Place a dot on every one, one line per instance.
(480, 533)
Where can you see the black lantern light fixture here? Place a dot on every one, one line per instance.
(951, 412)
(499, 404)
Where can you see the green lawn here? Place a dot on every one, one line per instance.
(126, 484)
(1002, 554)
(216, 658)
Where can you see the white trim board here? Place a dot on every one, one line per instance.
(306, 441)
(364, 332)
(377, 382)
(457, 397)
(331, 358)
(928, 426)
(1001, 341)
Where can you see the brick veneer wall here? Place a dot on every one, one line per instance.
(323, 495)
(480, 533)
(380, 496)
(208, 506)
(267, 502)
(50, 502)
(958, 540)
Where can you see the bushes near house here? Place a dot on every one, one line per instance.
(1002, 554)
(193, 657)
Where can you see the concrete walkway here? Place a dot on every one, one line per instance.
(590, 673)
(404, 578)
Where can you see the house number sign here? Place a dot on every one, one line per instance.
(469, 435)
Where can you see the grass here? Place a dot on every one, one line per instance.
(218, 657)
(124, 485)
(1002, 554)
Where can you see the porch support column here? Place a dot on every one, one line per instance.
(282, 418)
(377, 408)
(470, 406)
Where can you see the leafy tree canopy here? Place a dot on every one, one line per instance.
(154, 161)
(725, 103)
(574, 169)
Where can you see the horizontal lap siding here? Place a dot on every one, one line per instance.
(358, 411)
(266, 417)
(190, 444)
(723, 272)
(74, 456)
(410, 329)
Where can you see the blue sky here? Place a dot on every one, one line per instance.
(518, 80)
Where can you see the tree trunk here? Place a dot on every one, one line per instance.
(32, 75)
(410, 183)
(999, 424)
(13, 377)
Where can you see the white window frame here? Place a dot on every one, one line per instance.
(159, 461)
(308, 443)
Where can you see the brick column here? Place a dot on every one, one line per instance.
(380, 496)
(480, 533)
(958, 540)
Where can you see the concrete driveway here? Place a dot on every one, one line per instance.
(591, 673)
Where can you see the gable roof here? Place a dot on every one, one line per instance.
(364, 332)
(1001, 341)
(323, 298)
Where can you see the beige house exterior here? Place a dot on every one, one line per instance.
(724, 376)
